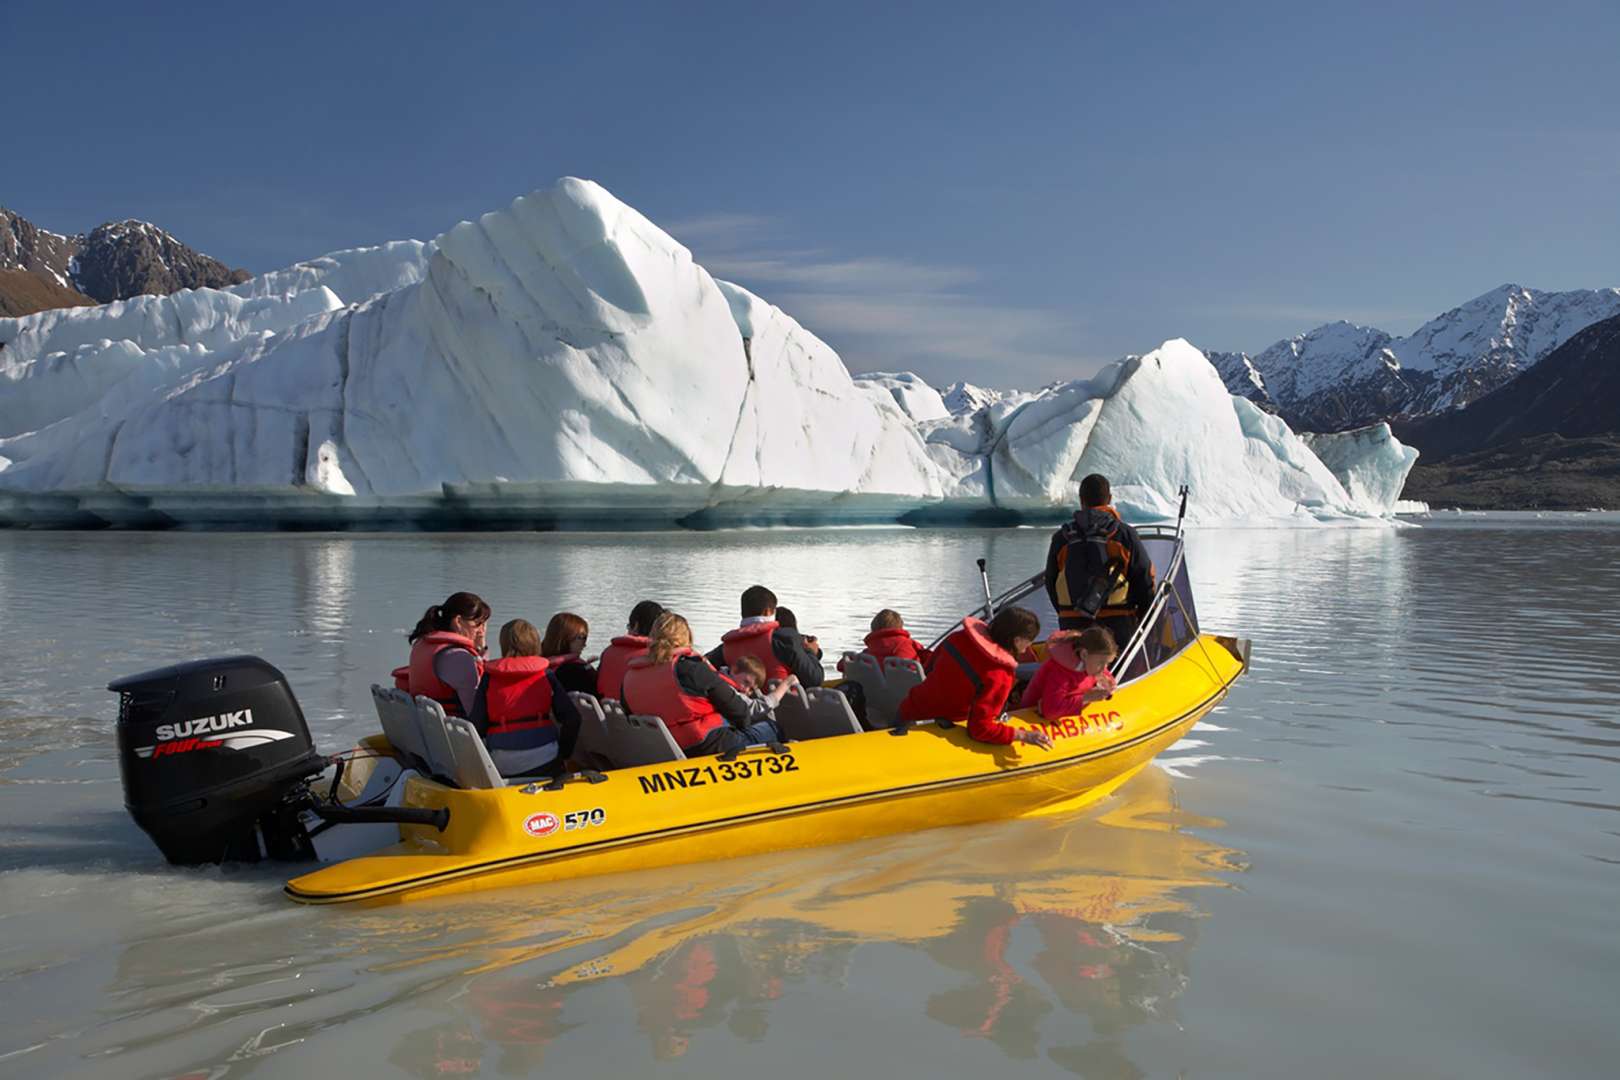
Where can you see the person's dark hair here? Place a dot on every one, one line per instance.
(1098, 639)
(757, 600)
(887, 619)
(466, 605)
(1094, 491)
(785, 617)
(560, 633)
(1013, 623)
(642, 617)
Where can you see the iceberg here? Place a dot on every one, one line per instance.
(1370, 462)
(354, 275)
(916, 398)
(564, 362)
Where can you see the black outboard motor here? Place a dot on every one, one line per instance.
(216, 759)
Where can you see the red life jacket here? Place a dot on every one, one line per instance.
(517, 703)
(618, 654)
(420, 678)
(651, 690)
(754, 640)
(896, 641)
(958, 678)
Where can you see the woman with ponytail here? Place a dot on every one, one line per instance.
(447, 653)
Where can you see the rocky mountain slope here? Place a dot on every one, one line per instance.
(1550, 438)
(114, 261)
(1342, 376)
(23, 293)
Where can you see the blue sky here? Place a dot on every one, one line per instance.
(1006, 193)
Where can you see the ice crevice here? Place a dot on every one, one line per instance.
(563, 360)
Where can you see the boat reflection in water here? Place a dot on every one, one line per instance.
(1106, 901)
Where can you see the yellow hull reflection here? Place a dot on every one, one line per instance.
(823, 791)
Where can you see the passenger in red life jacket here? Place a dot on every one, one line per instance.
(632, 643)
(526, 720)
(889, 637)
(702, 710)
(972, 675)
(564, 645)
(1074, 675)
(780, 648)
(447, 653)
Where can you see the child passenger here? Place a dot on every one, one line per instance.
(1075, 673)
(889, 637)
(749, 676)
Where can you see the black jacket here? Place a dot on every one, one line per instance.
(695, 676)
(1138, 578)
(577, 675)
(789, 647)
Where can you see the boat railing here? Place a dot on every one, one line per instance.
(1171, 601)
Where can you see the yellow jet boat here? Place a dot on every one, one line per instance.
(456, 826)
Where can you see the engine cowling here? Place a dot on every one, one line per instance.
(213, 755)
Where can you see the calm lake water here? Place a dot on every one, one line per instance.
(1394, 851)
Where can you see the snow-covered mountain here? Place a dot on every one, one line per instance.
(1341, 376)
(114, 261)
(564, 361)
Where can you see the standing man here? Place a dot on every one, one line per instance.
(1097, 572)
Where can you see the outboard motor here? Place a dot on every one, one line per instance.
(216, 760)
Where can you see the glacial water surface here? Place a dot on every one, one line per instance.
(1394, 850)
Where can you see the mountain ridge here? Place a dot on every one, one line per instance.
(1341, 375)
(116, 260)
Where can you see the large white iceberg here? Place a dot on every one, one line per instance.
(565, 361)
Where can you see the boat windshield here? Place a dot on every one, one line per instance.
(1173, 618)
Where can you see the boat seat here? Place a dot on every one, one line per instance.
(438, 754)
(396, 712)
(638, 740)
(473, 766)
(828, 714)
(793, 714)
(900, 672)
(864, 670)
(591, 749)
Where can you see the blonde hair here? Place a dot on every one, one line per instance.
(520, 638)
(670, 634)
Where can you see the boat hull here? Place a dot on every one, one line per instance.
(822, 791)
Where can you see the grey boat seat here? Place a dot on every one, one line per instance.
(902, 675)
(437, 751)
(396, 712)
(592, 749)
(828, 715)
(792, 714)
(473, 767)
(863, 670)
(638, 740)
